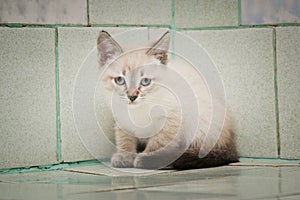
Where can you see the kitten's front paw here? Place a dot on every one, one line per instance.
(145, 161)
(123, 159)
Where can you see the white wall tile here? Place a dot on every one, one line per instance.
(27, 103)
(136, 12)
(245, 60)
(43, 12)
(288, 73)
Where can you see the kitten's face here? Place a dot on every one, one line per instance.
(132, 75)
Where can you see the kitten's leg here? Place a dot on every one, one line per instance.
(216, 157)
(126, 153)
(175, 155)
(161, 150)
(157, 142)
(223, 153)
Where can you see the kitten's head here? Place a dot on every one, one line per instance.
(131, 74)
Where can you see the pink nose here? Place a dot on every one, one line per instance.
(132, 94)
(132, 98)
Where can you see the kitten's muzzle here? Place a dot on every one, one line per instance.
(132, 94)
(132, 98)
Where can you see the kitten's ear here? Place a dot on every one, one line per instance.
(108, 48)
(160, 48)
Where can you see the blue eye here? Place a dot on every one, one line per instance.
(119, 80)
(145, 81)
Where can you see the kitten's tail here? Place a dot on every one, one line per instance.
(216, 157)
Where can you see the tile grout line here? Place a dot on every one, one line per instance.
(173, 29)
(58, 133)
(16, 25)
(269, 159)
(59, 166)
(63, 166)
(216, 28)
(88, 12)
(280, 182)
(130, 25)
(276, 93)
(239, 12)
(59, 189)
(173, 15)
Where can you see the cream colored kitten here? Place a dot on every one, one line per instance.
(173, 126)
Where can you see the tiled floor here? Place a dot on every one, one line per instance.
(255, 180)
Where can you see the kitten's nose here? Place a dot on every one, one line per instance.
(132, 98)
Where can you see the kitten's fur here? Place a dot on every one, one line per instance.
(160, 148)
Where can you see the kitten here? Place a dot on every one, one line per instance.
(172, 138)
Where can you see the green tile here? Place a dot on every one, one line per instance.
(148, 195)
(74, 45)
(245, 60)
(290, 180)
(43, 12)
(55, 177)
(50, 185)
(28, 191)
(220, 183)
(27, 104)
(294, 197)
(146, 178)
(266, 162)
(224, 184)
(288, 72)
(136, 12)
(250, 183)
(213, 183)
(203, 13)
(108, 170)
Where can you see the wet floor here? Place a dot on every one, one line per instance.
(245, 180)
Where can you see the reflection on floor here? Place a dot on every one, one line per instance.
(245, 180)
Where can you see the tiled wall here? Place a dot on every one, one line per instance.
(43, 44)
